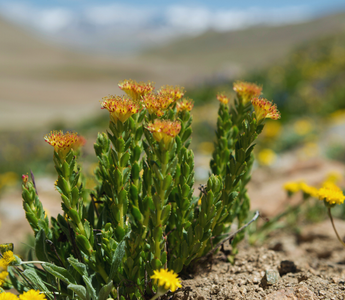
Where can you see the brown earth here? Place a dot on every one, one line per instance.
(314, 270)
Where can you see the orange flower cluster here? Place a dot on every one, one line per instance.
(184, 105)
(136, 90)
(223, 99)
(157, 104)
(164, 130)
(63, 143)
(173, 92)
(246, 91)
(120, 107)
(265, 109)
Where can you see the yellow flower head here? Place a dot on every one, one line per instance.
(267, 157)
(63, 143)
(120, 107)
(265, 109)
(8, 257)
(173, 92)
(8, 296)
(332, 194)
(292, 186)
(136, 90)
(164, 130)
(184, 105)
(166, 279)
(223, 99)
(32, 295)
(157, 104)
(246, 90)
(3, 275)
(333, 177)
(309, 190)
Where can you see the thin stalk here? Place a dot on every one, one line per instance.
(335, 230)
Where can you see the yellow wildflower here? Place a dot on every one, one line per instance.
(292, 186)
(246, 91)
(184, 105)
(63, 143)
(166, 279)
(3, 275)
(309, 190)
(333, 177)
(223, 99)
(8, 296)
(8, 257)
(32, 295)
(136, 90)
(120, 107)
(332, 194)
(164, 130)
(267, 157)
(303, 127)
(265, 109)
(272, 129)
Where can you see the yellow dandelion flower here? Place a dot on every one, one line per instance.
(164, 130)
(120, 107)
(8, 257)
(267, 157)
(292, 186)
(63, 143)
(166, 279)
(8, 296)
(173, 92)
(331, 194)
(303, 127)
(136, 90)
(265, 109)
(223, 99)
(333, 177)
(309, 190)
(246, 91)
(184, 105)
(3, 276)
(272, 129)
(32, 295)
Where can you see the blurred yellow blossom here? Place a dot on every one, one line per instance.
(267, 157)
(332, 194)
(303, 127)
(292, 186)
(272, 129)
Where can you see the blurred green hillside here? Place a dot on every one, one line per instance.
(309, 81)
(231, 52)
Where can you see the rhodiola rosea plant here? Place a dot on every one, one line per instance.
(142, 219)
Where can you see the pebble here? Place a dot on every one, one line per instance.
(271, 277)
(287, 266)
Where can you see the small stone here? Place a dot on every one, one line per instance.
(256, 280)
(322, 293)
(271, 277)
(287, 266)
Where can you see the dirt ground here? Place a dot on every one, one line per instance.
(315, 269)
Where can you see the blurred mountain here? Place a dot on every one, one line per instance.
(225, 54)
(42, 82)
